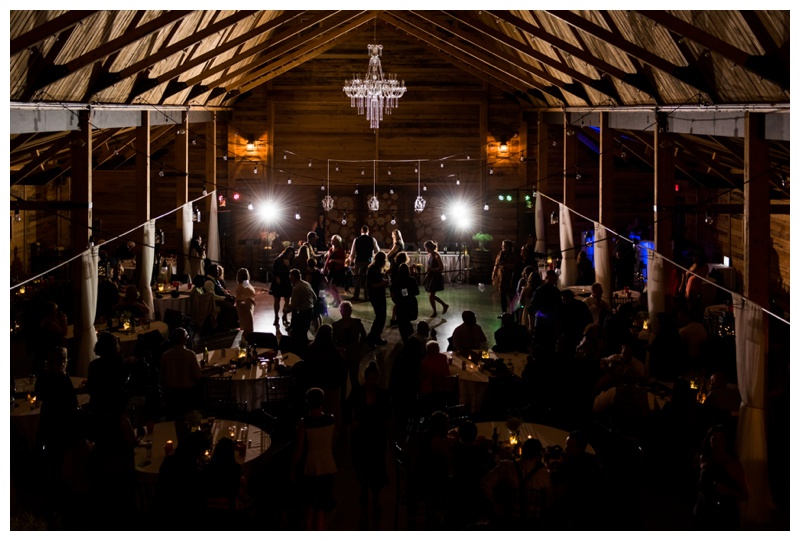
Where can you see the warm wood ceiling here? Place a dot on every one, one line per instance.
(543, 59)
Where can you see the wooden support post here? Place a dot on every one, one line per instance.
(181, 185)
(606, 170)
(81, 219)
(757, 242)
(142, 182)
(211, 163)
(664, 188)
(570, 164)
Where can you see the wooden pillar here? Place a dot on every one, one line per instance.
(181, 184)
(211, 160)
(142, 182)
(664, 188)
(81, 219)
(570, 164)
(542, 144)
(757, 240)
(606, 171)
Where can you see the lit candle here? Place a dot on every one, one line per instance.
(160, 288)
(512, 439)
(168, 447)
(126, 326)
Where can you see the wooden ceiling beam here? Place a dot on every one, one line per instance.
(710, 164)
(599, 85)
(339, 25)
(495, 56)
(458, 50)
(686, 75)
(598, 63)
(47, 29)
(703, 65)
(766, 66)
(761, 33)
(311, 50)
(57, 72)
(40, 160)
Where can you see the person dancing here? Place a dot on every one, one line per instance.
(434, 279)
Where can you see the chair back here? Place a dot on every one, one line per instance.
(263, 340)
(446, 388)
(277, 389)
(217, 389)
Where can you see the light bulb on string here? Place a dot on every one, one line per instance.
(391, 190)
(289, 180)
(17, 215)
(161, 172)
(336, 167)
(441, 165)
(393, 220)
(284, 154)
(322, 188)
(255, 170)
(362, 171)
(344, 218)
(205, 191)
(225, 157)
(389, 172)
(577, 174)
(555, 143)
(309, 162)
(458, 180)
(296, 214)
(424, 188)
(416, 169)
(356, 190)
(522, 157)
(491, 170)
(486, 206)
(250, 205)
(444, 216)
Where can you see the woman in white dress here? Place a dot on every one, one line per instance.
(245, 301)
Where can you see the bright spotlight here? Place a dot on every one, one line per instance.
(269, 211)
(462, 214)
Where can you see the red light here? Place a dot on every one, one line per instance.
(677, 187)
(236, 195)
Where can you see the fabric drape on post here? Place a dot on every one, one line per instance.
(212, 246)
(751, 437)
(89, 282)
(656, 284)
(602, 261)
(146, 265)
(541, 245)
(188, 231)
(569, 266)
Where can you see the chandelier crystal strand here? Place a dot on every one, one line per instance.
(373, 204)
(374, 94)
(419, 203)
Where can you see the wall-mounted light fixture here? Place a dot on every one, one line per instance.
(502, 150)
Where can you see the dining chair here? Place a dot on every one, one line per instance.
(446, 390)
(263, 340)
(277, 396)
(217, 389)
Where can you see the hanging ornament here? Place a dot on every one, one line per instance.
(391, 190)
(419, 204)
(393, 220)
(327, 203)
(356, 191)
(344, 218)
(296, 214)
(289, 180)
(373, 204)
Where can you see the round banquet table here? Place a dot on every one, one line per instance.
(246, 383)
(548, 435)
(472, 382)
(620, 297)
(127, 340)
(579, 291)
(259, 443)
(24, 419)
(167, 302)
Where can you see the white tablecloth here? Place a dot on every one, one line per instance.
(450, 262)
(472, 382)
(25, 420)
(246, 384)
(167, 302)
(548, 435)
(728, 275)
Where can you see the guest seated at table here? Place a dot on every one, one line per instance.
(126, 250)
(621, 367)
(577, 480)
(118, 276)
(222, 485)
(468, 335)
(131, 303)
(521, 492)
(597, 306)
(471, 462)
(667, 352)
(180, 374)
(225, 301)
(349, 336)
(433, 365)
(575, 319)
(179, 495)
(404, 380)
(105, 381)
(617, 329)
(511, 336)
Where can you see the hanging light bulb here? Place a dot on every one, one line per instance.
(458, 180)
(709, 219)
(623, 154)
(491, 170)
(322, 188)
(336, 167)
(441, 165)
(356, 190)
(424, 188)
(344, 218)
(116, 151)
(393, 220)
(391, 190)
(194, 139)
(17, 215)
(284, 154)
(296, 214)
(309, 162)
(570, 132)
(444, 216)
(535, 193)
(577, 174)
(289, 180)
(225, 157)
(486, 206)
(255, 169)
(161, 172)
(553, 218)
(390, 171)
(522, 157)
(362, 171)
(205, 192)
(250, 205)
(555, 143)
(419, 204)
(416, 168)
(467, 156)
(373, 204)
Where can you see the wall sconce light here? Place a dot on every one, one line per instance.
(503, 148)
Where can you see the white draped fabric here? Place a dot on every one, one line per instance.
(569, 266)
(146, 265)
(88, 336)
(602, 260)
(212, 244)
(656, 284)
(751, 439)
(187, 231)
(541, 245)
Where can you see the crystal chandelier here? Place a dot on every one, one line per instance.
(373, 93)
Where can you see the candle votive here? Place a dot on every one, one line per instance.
(169, 447)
